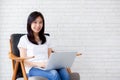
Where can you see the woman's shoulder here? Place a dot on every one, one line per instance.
(23, 41)
(48, 39)
(24, 37)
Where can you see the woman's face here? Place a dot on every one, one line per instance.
(37, 25)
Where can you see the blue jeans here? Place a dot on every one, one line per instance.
(59, 74)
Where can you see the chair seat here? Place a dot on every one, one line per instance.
(74, 76)
(34, 78)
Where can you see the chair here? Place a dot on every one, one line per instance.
(19, 72)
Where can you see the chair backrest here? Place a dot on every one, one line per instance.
(14, 42)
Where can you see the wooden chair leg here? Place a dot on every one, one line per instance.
(23, 70)
(13, 65)
(15, 71)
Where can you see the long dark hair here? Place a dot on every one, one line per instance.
(30, 35)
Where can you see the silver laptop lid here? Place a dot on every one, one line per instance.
(61, 60)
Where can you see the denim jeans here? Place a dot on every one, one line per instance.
(59, 74)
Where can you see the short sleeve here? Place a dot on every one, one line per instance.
(23, 42)
(49, 42)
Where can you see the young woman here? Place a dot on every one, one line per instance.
(35, 43)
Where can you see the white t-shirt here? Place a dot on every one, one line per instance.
(39, 51)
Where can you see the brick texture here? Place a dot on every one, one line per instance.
(91, 27)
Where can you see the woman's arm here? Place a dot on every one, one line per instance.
(49, 52)
(23, 53)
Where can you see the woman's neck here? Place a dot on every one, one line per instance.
(36, 37)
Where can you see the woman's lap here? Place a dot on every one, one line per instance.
(59, 74)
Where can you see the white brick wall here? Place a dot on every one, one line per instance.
(87, 26)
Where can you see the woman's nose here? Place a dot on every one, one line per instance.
(38, 25)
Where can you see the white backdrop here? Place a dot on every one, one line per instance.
(88, 26)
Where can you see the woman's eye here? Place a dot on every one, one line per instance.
(35, 22)
(40, 22)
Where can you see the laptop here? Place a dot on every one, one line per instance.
(59, 60)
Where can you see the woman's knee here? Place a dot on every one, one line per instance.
(54, 75)
(35, 72)
(64, 74)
